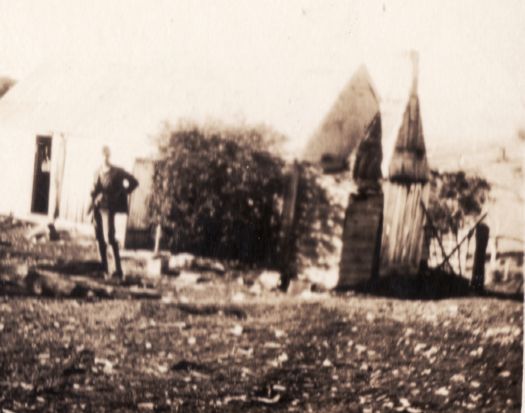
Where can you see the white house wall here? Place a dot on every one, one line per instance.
(16, 180)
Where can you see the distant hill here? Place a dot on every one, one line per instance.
(6, 83)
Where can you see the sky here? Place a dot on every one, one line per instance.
(284, 63)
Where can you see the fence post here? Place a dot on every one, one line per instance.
(288, 222)
(478, 270)
(158, 234)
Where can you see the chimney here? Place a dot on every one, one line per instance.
(414, 56)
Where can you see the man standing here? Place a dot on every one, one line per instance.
(109, 196)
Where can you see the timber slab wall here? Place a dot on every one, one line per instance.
(402, 247)
(361, 235)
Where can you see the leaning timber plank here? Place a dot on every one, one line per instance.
(100, 289)
(137, 293)
(436, 235)
(458, 245)
(44, 282)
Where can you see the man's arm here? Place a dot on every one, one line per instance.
(96, 189)
(132, 182)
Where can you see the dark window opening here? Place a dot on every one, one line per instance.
(41, 175)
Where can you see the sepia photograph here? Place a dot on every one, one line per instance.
(257, 206)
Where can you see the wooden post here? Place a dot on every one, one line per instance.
(478, 222)
(287, 268)
(478, 272)
(158, 233)
(493, 265)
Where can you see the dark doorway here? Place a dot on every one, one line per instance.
(42, 175)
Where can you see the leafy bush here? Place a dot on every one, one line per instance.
(217, 192)
(456, 199)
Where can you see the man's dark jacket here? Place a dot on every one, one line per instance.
(110, 191)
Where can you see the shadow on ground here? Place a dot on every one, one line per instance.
(78, 267)
(433, 285)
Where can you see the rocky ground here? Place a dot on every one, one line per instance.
(224, 343)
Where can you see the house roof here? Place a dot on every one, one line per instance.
(409, 159)
(345, 125)
(129, 103)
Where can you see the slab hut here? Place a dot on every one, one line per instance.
(363, 218)
(340, 246)
(407, 188)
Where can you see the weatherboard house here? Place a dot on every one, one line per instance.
(53, 125)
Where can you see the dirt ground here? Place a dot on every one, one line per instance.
(215, 344)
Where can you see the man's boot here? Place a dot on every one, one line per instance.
(102, 250)
(118, 266)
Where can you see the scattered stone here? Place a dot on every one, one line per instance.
(404, 402)
(246, 353)
(442, 391)
(180, 261)
(279, 333)
(188, 278)
(267, 400)
(42, 233)
(429, 353)
(26, 386)
(297, 287)
(278, 387)
(146, 406)
(364, 367)
(228, 399)
(256, 289)
(156, 265)
(270, 280)
(282, 358)
(106, 364)
(208, 264)
(186, 261)
(409, 331)
(458, 378)
(236, 330)
(452, 310)
(477, 352)
(360, 348)
(238, 297)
